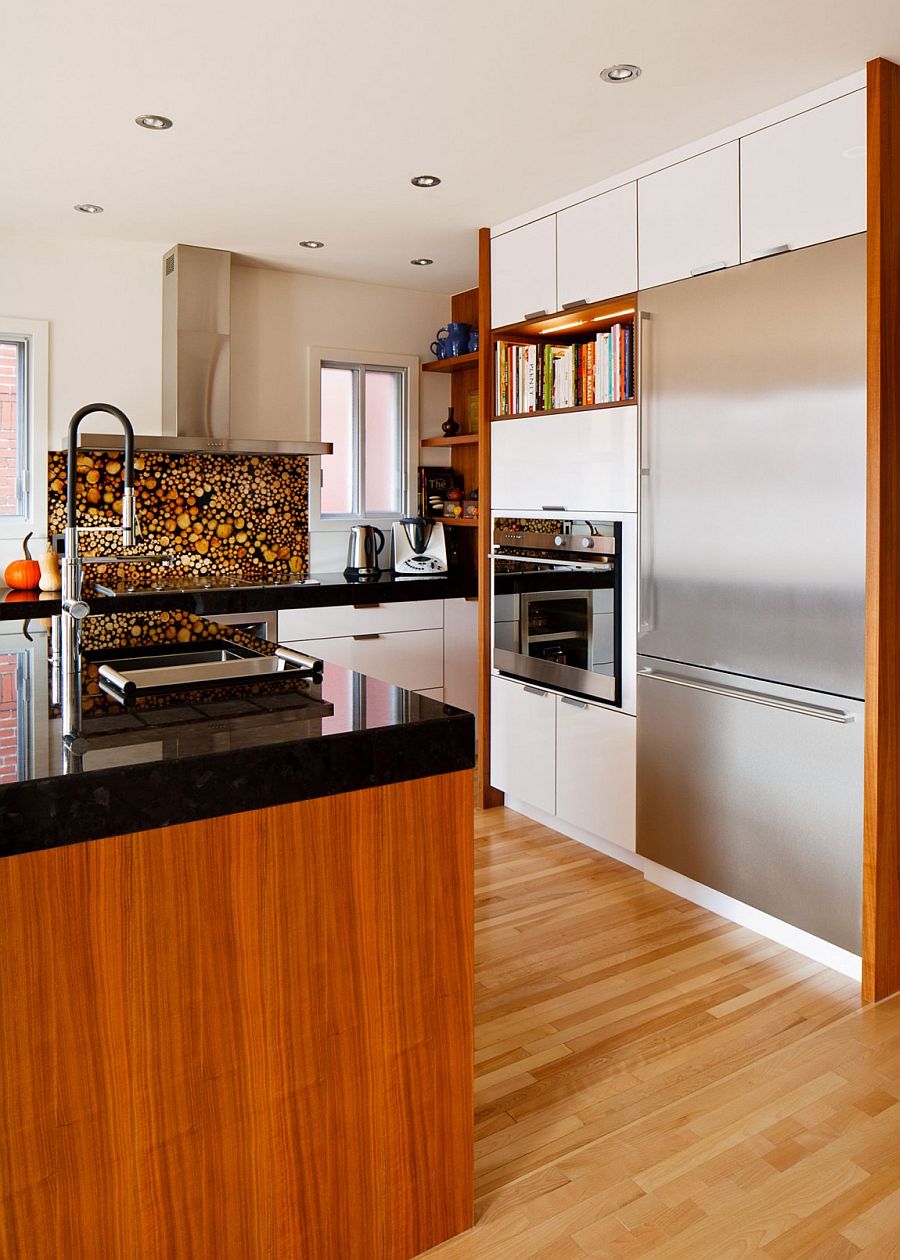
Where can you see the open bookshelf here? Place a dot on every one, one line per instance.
(575, 360)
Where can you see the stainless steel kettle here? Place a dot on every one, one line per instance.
(366, 545)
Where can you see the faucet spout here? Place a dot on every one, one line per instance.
(128, 517)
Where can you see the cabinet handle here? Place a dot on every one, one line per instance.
(360, 607)
(570, 306)
(754, 697)
(534, 691)
(705, 270)
(535, 315)
(770, 253)
(553, 507)
(360, 637)
(576, 704)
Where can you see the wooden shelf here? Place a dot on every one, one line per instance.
(461, 439)
(562, 411)
(470, 522)
(461, 363)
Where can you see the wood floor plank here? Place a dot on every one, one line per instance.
(654, 1081)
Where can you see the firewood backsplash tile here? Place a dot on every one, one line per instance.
(211, 513)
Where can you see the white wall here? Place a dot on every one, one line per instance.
(103, 304)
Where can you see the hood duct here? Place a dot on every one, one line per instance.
(196, 365)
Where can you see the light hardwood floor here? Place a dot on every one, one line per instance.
(654, 1081)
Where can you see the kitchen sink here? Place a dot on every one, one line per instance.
(124, 675)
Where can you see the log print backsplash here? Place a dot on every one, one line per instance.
(212, 513)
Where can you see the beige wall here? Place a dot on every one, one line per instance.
(103, 306)
(276, 315)
(103, 302)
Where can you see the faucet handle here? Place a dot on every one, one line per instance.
(78, 609)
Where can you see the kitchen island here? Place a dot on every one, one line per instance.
(236, 957)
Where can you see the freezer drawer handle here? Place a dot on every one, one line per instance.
(754, 697)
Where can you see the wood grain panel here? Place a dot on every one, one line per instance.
(881, 869)
(488, 796)
(243, 1038)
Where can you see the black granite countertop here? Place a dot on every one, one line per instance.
(199, 754)
(330, 590)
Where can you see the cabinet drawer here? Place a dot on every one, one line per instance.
(804, 179)
(412, 659)
(327, 623)
(595, 770)
(596, 247)
(689, 217)
(581, 461)
(523, 272)
(523, 743)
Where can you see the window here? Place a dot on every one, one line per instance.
(363, 413)
(15, 411)
(23, 432)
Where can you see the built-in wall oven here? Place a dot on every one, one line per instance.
(558, 604)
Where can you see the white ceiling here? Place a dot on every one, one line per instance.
(295, 120)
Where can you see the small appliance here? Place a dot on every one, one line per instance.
(366, 545)
(420, 549)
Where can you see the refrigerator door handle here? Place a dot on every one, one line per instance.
(645, 581)
(754, 697)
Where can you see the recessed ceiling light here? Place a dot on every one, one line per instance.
(153, 122)
(425, 181)
(87, 207)
(312, 244)
(421, 262)
(620, 74)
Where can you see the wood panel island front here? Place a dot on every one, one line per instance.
(241, 1026)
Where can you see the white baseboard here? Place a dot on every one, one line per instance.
(757, 920)
(575, 833)
(840, 960)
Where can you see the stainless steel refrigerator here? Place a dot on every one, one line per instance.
(752, 598)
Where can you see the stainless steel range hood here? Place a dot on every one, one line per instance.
(196, 365)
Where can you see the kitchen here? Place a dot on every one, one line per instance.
(649, 634)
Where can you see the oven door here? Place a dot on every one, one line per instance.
(558, 623)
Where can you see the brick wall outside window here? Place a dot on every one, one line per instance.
(9, 731)
(9, 410)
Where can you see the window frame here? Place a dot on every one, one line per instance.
(32, 447)
(408, 365)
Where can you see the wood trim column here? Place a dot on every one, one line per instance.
(881, 863)
(487, 796)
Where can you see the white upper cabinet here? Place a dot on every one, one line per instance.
(689, 217)
(596, 248)
(574, 461)
(804, 180)
(523, 272)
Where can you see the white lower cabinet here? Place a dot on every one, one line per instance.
(523, 742)
(461, 653)
(565, 757)
(413, 659)
(595, 770)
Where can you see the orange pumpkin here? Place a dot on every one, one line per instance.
(23, 575)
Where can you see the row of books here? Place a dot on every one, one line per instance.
(549, 377)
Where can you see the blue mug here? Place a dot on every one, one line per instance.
(439, 347)
(473, 341)
(457, 339)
